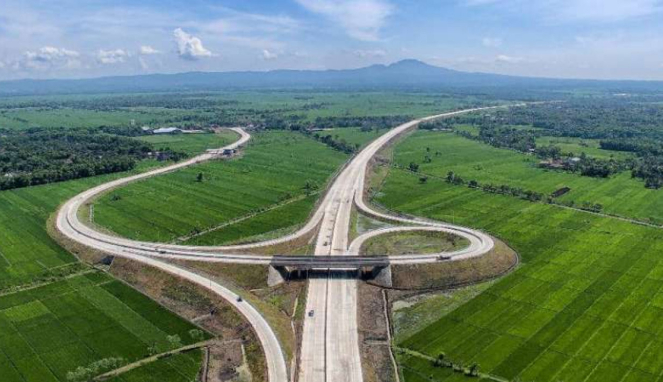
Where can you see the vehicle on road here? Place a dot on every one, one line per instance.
(311, 313)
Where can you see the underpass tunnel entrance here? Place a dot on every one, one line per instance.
(381, 273)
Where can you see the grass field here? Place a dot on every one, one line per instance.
(275, 167)
(191, 143)
(27, 252)
(49, 331)
(407, 243)
(578, 145)
(214, 107)
(584, 306)
(353, 135)
(619, 194)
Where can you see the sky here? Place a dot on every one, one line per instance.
(602, 39)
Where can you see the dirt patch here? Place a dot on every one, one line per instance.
(283, 296)
(374, 335)
(244, 276)
(442, 275)
(225, 362)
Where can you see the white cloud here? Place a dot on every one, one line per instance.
(48, 57)
(503, 58)
(189, 47)
(361, 19)
(267, 55)
(377, 53)
(491, 42)
(147, 50)
(116, 56)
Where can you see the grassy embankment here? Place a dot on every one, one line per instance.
(404, 243)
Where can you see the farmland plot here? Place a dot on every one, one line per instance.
(49, 331)
(177, 368)
(27, 253)
(583, 305)
(619, 194)
(275, 168)
(191, 144)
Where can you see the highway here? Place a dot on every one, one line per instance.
(330, 342)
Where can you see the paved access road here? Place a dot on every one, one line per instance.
(330, 343)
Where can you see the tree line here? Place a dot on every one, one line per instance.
(40, 156)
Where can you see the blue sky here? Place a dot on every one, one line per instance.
(616, 39)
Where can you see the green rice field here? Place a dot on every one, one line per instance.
(584, 305)
(191, 143)
(51, 330)
(578, 145)
(353, 135)
(274, 169)
(619, 194)
(181, 367)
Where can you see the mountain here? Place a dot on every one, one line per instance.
(402, 74)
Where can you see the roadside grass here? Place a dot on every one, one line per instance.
(619, 194)
(51, 330)
(584, 304)
(405, 243)
(275, 166)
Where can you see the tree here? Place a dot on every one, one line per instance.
(200, 177)
(450, 177)
(175, 341)
(196, 334)
(473, 184)
(423, 179)
(474, 370)
(413, 167)
(310, 187)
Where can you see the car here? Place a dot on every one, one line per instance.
(311, 313)
(239, 299)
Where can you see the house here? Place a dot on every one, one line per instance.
(167, 130)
